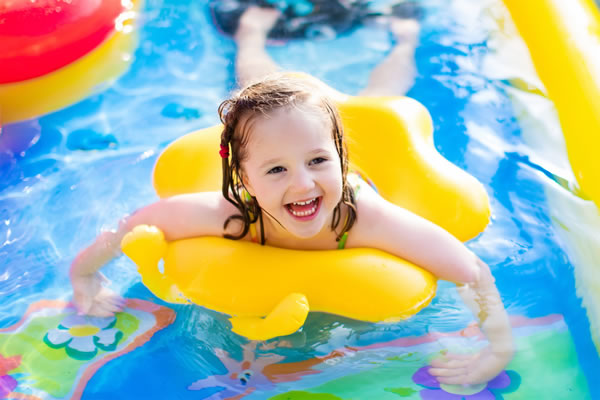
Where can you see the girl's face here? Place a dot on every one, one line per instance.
(293, 169)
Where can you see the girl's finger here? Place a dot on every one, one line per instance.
(98, 311)
(448, 372)
(452, 363)
(108, 295)
(118, 301)
(112, 308)
(105, 310)
(460, 356)
(109, 302)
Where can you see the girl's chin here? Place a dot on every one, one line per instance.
(307, 230)
(304, 228)
(305, 234)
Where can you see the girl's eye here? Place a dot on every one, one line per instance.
(275, 170)
(317, 160)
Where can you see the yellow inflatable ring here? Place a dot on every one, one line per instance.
(272, 298)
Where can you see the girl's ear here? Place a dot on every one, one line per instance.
(246, 183)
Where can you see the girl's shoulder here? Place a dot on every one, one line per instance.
(187, 215)
(369, 204)
(203, 204)
(366, 196)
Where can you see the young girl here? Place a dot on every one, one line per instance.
(286, 183)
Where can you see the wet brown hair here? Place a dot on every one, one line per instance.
(262, 98)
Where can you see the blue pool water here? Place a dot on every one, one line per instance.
(93, 160)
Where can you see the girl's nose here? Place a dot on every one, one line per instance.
(303, 181)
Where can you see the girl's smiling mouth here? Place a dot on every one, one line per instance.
(304, 210)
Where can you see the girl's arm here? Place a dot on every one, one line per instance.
(179, 217)
(383, 225)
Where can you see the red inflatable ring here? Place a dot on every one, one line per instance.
(38, 37)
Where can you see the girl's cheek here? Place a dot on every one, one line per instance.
(274, 192)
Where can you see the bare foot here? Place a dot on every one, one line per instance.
(405, 30)
(256, 22)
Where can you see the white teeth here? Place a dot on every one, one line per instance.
(302, 203)
(304, 213)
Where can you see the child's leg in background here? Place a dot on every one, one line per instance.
(252, 60)
(393, 77)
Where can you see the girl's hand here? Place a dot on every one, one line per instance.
(91, 297)
(482, 297)
(468, 369)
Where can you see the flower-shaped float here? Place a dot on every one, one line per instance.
(505, 382)
(82, 336)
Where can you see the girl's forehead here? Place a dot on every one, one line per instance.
(288, 124)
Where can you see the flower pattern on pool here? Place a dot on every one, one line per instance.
(505, 382)
(7, 382)
(82, 336)
(241, 378)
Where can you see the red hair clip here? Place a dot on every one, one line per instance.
(224, 152)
